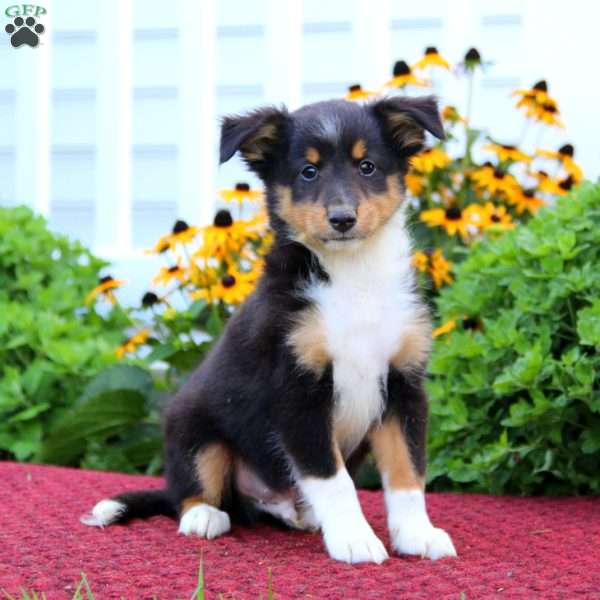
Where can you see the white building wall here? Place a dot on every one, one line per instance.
(110, 126)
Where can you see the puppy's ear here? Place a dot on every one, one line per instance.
(404, 121)
(259, 136)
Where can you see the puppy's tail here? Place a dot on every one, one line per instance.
(132, 505)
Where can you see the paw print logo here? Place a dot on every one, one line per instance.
(24, 32)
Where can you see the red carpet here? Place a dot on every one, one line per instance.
(508, 547)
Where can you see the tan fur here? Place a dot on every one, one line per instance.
(190, 502)
(415, 344)
(308, 220)
(254, 150)
(376, 210)
(312, 156)
(308, 342)
(213, 466)
(359, 149)
(393, 457)
(405, 130)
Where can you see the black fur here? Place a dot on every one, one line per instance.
(250, 392)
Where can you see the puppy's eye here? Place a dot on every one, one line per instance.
(309, 173)
(366, 168)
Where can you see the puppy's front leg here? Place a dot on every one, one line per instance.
(326, 485)
(398, 445)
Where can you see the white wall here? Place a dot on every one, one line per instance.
(110, 126)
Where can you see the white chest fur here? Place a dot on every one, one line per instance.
(365, 309)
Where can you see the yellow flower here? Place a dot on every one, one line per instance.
(447, 327)
(525, 200)
(490, 216)
(565, 156)
(132, 343)
(493, 179)
(547, 113)
(403, 76)
(507, 152)
(414, 183)
(225, 236)
(431, 58)
(452, 219)
(181, 233)
(232, 288)
(240, 193)
(167, 274)
(548, 185)
(420, 261)
(439, 269)
(355, 92)
(451, 115)
(537, 94)
(428, 160)
(105, 288)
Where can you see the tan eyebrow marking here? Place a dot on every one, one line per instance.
(359, 149)
(312, 155)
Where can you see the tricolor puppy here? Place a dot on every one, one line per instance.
(325, 360)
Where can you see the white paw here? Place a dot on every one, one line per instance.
(355, 544)
(204, 520)
(424, 541)
(104, 513)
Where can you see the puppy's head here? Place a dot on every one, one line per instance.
(333, 171)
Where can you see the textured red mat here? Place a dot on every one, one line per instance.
(508, 547)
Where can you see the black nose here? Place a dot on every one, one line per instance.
(342, 219)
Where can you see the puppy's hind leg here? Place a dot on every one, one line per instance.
(200, 514)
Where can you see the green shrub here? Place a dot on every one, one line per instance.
(515, 386)
(50, 348)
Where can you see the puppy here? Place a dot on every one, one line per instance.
(325, 360)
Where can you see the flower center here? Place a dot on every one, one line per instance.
(174, 269)
(401, 68)
(495, 219)
(223, 219)
(567, 150)
(242, 187)
(453, 213)
(549, 108)
(566, 184)
(228, 281)
(470, 323)
(149, 299)
(180, 226)
(473, 56)
(106, 279)
(498, 174)
(541, 86)
(528, 193)
(509, 147)
(355, 88)
(431, 50)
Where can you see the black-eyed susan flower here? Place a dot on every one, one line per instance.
(439, 269)
(430, 159)
(525, 201)
(445, 328)
(471, 61)
(232, 288)
(431, 58)
(490, 216)
(547, 113)
(130, 345)
(105, 288)
(450, 114)
(506, 152)
(453, 219)
(226, 236)
(565, 185)
(420, 261)
(241, 193)
(549, 185)
(168, 274)
(403, 76)
(355, 92)
(493, 179)
(150, 299)
(414, 183)
(537, 94)
(565, 156)
(181, 233)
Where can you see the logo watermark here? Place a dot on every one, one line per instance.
(25, 28)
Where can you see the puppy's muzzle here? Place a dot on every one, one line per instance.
(342, 218)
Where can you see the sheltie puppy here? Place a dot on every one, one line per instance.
(325, 360)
